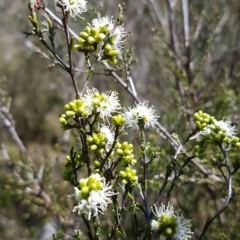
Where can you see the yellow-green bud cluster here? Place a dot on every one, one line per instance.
(204, 120)
(129, 176)
(109, 52)
(76, 108)
(89, 184)
(125, 153)
(199, 151)
(97, 142)
(97, 99)
(216, 131)
(118, 120)
(91, 37)
(77, 162)
(235, 141)
(167, 225)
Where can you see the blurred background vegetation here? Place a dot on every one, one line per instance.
(177, 78)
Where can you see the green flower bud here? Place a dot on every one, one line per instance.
(112, 61)
(124, 182)
(89, 140)
(85, 191)
(122, 174)
(235, 139)
(94, 31)
(227, 140)
(118, 145)
(82, 182)
(102, 144)
(125, 145)
(196, 116)
(91, 49)
(67, 107)
(94, 147)
(118, 120)
(103, 29)
(101, 151)
(133, 162)
(238, 145)
(127, 152)
(81, 40)
(113, 53)
(78, 48)
(70, 113)
(198, 124)
(99, 37)
(91, 40)
(107, 48)
(72, 105)
(119, 151)
(88, 29)
(68, 158)
(63, 121)
(84, 35)
(97, 163)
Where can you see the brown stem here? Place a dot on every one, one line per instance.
(70, 68)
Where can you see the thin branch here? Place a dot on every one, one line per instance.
(70, 69)
(209, 221)
(11, 129)
(160, 16)
(173, 30)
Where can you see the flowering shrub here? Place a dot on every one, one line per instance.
(123, 183)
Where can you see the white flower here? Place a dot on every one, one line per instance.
(109, 135)
(94, 196)
(105, 103)
(141, 115)
(116, 31)
(227, 128)
(73, 7)
(170, 224)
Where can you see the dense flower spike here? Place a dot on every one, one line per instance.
(73, 7)
(94, 196)
(103, 103)
(103, 32)
(141, 116)
(170, 224)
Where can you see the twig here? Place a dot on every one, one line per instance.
(70, 69)
(12, 131)
(173, 30)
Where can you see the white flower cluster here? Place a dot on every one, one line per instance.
(223, 125)
(109, 135)
(94, 196)
(116, 31)
(170, 225)
(73, 7)
(105, 103)
(141, 116)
